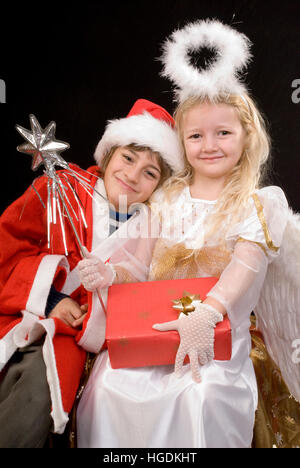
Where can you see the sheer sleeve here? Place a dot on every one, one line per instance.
(132, 261)
(240, 284)
(266, 222)
(132, 265)
(258, 242)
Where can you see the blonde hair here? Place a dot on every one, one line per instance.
(165, 169)
(245, 177)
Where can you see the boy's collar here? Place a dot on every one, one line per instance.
(100, 188)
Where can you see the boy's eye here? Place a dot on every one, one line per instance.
(127, 157)
(151, 174)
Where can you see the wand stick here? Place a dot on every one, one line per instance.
(45, 149)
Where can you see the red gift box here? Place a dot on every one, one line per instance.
(133, 308)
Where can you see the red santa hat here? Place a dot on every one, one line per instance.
(147, 124)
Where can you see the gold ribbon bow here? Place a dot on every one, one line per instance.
(185, 304)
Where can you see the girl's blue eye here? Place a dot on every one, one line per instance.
(224, 132)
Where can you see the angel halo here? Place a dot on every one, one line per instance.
(221, 76)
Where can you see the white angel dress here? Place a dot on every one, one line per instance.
(150, 407)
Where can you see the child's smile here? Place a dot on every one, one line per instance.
(214, 139)
(133, 174)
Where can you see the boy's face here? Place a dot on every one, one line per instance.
(133, 174)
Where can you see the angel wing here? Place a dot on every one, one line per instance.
(278, 309)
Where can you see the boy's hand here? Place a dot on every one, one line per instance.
(69, 312)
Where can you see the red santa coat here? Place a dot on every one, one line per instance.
(28, 269)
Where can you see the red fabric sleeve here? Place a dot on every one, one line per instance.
(23, 240)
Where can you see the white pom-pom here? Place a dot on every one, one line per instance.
(221, 76)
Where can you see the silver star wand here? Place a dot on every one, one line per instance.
(45, 149)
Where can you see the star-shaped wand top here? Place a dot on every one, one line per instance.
(42, 145)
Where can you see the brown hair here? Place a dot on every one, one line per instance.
(166, 171)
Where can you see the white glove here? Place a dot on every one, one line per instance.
(95, 274)
(196, 332)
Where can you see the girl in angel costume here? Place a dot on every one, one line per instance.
(233, 229)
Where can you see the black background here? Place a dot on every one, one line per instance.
(81, 64)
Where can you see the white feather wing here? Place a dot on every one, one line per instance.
(278, 309)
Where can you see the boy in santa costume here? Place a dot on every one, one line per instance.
(47, 320)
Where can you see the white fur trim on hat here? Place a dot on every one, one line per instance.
(221, 76)
(143, 130)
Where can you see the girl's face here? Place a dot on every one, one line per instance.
(131, 173)
(213, 138)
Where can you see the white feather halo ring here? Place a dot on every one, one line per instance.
(221, 76)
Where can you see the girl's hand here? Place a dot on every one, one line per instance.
(95, 274)
(196, 332)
